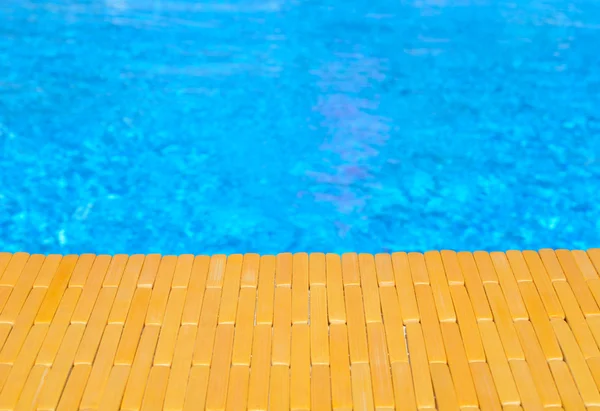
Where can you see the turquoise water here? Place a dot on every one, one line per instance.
(185, 126)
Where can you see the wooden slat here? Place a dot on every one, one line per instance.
(266, 281)
(368, 280)
(300, 368)
(258, 389)
(282, 327)
(317, 269)
(419, 366)
(341, 391)
(300, 289)
(357, 333)
(430, 324)
(439, 286)
(231, 289)
(319, 329)
(405, 288)
(335, 290)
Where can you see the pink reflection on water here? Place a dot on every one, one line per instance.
(356, 133)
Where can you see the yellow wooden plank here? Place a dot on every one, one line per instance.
(362, 392)
(4, 261)
(404, 392)
(282, 326)
(258, 389)
(22, 366)
(300, 368)
(368, 279)
(474, 286)
(58, 328)
(266, 290)
(576, 320)
(91, 289)
(509, 286)
(55, 290)
(576, 361)
(57, 377)
(459, 366)
(452, 267)
(182, 362)
(136, 384)
(81, 270)
(250, 266)
(341, 389)
(350, 269)
(537, 361)
(496, 358)
(569, 394)
(73, 392)
(170, 328)
(48, 270)
(5, 330)
(540, 321)
(279, 389)
(335, 290)
(383, 393)
(484, 384)
(183, 271)
(385, 271)
(320, 388)
(93, 332)
(594, 366)
(161, 291)
(418, 268)
(154, 396)
(519, 266)
(594, 255)
(392, 320)
(127, 286)
(19, 332)
(527, 391)
(467, 324)
(207, 326)
(231, 289)
(578, 283)
(300, 289)
(405, 288)
(220, 366)
(4, 371)
(504, 322)
(594, 285)
(29, 396)
(357, 334)
(133, 327)
(195, 398)
(439, 286)
(283, 271)
(195, 294)
(319, 328)
(216, 271)
(244, 327)
(102, 366)
(116, 269)
(443, 386)
(23, 286)
(237, 393)
(585, 265)
(485, 267)
(543, 284)
(552, 265)
(5, 292)
(419, 366)
(152, 264)
(13, 269)
(430, 324)
(115, 386)
(317, 269)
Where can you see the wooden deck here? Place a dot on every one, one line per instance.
(403, 331)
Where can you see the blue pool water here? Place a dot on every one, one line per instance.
(179, 126)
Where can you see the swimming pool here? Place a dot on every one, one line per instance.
(195, 127)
